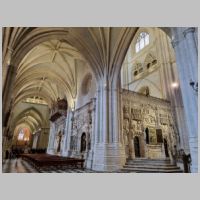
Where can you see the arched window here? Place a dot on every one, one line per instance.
(21, 135)
(142, 41)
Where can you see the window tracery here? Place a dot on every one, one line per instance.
(142, 41)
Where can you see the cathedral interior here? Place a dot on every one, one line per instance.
(100, 99)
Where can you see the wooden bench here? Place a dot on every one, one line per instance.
(45, 161)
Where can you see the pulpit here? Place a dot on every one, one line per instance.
(59, 109)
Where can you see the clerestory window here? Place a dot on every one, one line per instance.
(142, 41)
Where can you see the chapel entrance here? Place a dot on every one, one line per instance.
(137, 146)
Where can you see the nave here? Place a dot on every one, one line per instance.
(102, 94)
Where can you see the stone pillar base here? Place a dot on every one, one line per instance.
(89, 160)
(51, 151)
(65, 154)
(108, 157)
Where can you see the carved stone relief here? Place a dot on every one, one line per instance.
(140, 112)
(82, 123)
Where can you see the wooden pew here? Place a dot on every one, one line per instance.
(41, 161)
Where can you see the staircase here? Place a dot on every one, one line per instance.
(144, 165)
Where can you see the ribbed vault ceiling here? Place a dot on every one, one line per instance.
(48, 71)
(30, 118)
(46, 59)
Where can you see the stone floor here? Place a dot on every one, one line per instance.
(21, 166)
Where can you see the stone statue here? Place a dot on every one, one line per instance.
(186, 161)
(126, 112)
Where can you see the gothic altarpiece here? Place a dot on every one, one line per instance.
(148, 126)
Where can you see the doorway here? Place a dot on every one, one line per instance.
(166, 148)
(137, 146)
(147, 135)
(83, 142)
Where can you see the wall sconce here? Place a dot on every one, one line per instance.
(194, 85)
(174, 84)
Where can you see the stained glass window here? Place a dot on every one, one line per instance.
(21, 135)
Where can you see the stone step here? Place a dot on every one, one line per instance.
(152, 170)
(151, 167)
(153, 159)
(149, 160)
(144, 165)
(150, 164)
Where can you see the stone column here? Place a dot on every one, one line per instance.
(186, 68)
(67, 133)
(52, 134)
(9, 74)
(170, 75)
(6, 65)
(7, 93)
(192, 52)
(92, 136)
(35, 140)
(109, 153)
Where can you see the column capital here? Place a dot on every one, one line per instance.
(188, 30)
